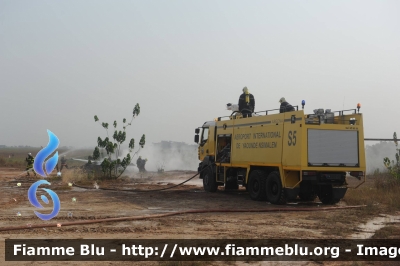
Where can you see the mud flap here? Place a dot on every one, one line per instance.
(338, 192)
(291, 193)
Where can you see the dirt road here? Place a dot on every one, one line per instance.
(83, 204)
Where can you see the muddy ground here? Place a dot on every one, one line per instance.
(97, 204)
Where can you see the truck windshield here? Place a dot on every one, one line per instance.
(204, 136)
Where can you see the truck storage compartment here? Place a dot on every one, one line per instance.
(332, 147)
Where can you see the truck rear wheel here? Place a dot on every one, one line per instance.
(311, 196)
(325, 195)
(209, 182)
(307, 191)
(256, 186)
(274, 189)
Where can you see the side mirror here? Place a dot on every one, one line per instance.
(197, 130)
(196, 138)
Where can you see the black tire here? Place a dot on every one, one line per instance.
(307, 191)
(209, 182)
(256, 185)
(274, 189)
(325, 195)
(311, 196)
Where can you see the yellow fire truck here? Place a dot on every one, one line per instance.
(282, 156)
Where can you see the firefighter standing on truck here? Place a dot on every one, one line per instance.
(30, 160)
(246, 103)
(285, 106)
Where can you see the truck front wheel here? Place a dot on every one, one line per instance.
(256, 186)
(275, 191)
(209, 182)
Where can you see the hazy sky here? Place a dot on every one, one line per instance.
(62, 62)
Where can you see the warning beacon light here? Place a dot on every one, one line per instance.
(303, 103)
(358, 107)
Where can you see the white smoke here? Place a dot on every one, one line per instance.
(168, 155)
(179, 156)
(375, 153)
(171, 155)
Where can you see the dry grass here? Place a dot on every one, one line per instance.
(82, 178)
(380, 193)
(74, 175)
(386, 182)
(18, 155)
(12, 162)
(388, 232)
